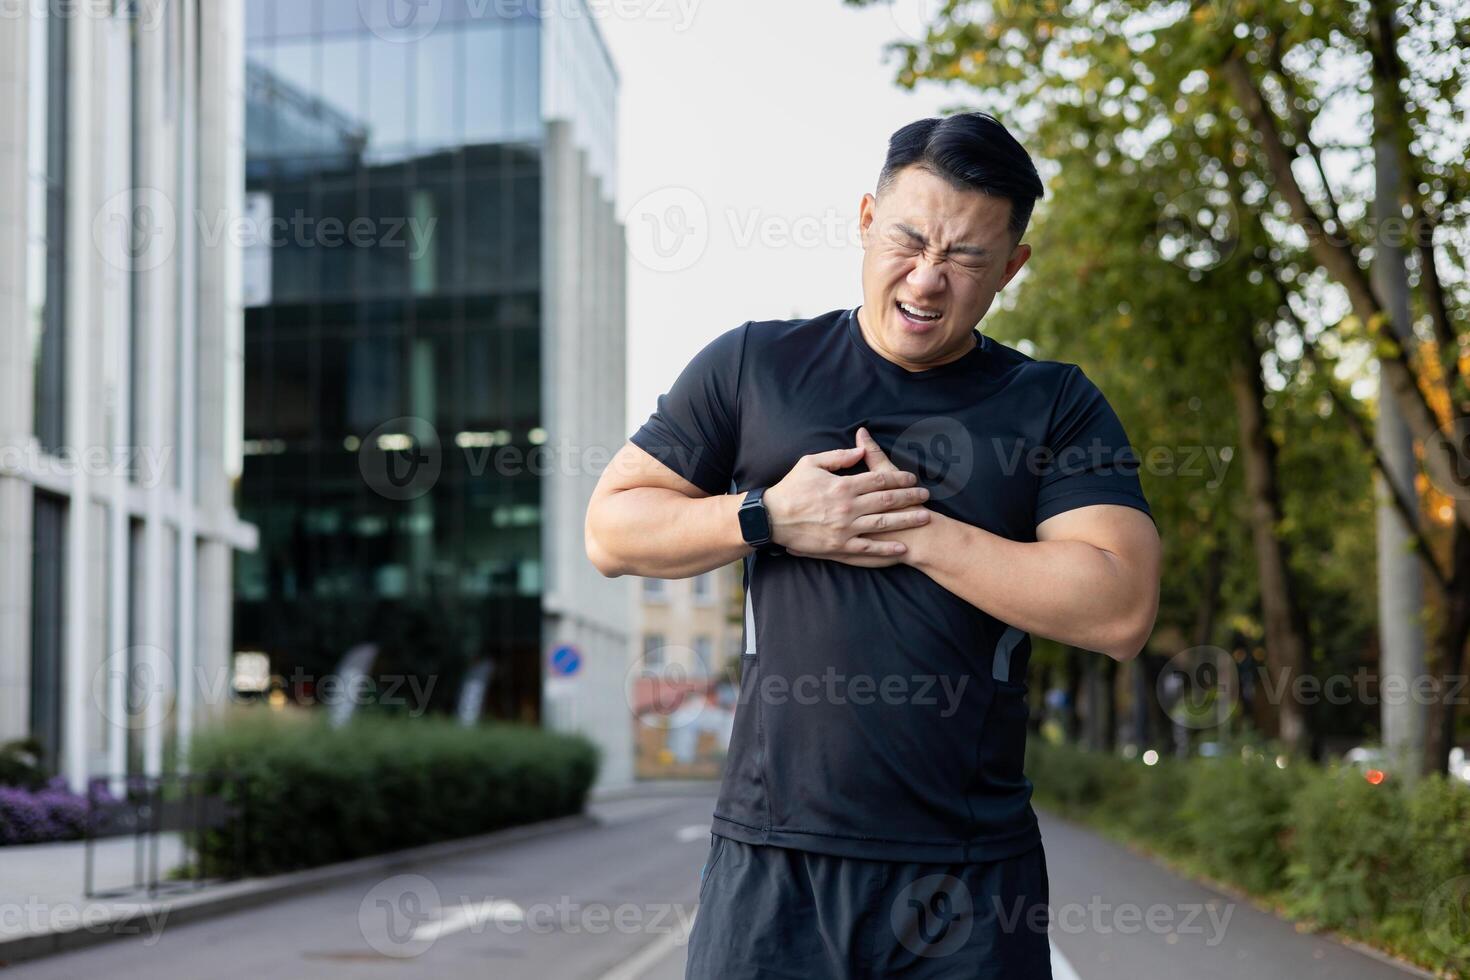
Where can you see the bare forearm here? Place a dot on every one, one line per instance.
(659, 533)
(1069, 591)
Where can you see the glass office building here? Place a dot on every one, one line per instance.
(433, 287)
(119, 388)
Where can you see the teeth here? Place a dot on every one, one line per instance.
(914, 311)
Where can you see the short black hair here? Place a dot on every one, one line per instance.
(973, 151)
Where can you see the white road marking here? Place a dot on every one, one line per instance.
(1060, 968)
(692, 832)
(466, 916)
(651, 955)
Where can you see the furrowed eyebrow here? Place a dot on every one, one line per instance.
(975, 251)
(911, 232)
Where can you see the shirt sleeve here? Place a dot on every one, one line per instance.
(1090, 459)
(693, 430)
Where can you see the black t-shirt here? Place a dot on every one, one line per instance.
(880, 715)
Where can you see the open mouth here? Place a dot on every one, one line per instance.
(918, 315)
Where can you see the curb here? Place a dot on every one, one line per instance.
(236, 896)
(655, 788)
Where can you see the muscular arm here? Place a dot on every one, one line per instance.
(645, 519)
(1090, 580)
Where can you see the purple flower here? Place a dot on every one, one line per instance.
(34, 817)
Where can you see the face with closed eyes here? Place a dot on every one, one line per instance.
(934, 256)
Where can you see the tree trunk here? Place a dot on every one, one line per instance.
(1284, 621)
(1449, 659)
(1074, 694)
(1400, 583)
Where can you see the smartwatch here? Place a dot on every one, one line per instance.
(755, 522)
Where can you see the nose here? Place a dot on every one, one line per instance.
(926, 277)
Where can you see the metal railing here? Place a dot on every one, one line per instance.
(146, 808)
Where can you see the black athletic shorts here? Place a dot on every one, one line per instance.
(767, 912)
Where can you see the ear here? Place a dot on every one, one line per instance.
(1018, 258)
(867, 211)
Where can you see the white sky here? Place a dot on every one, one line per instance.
(755, 127)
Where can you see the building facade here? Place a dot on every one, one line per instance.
(688, 672)
(693, 627)
(120, 347)
(434, 355)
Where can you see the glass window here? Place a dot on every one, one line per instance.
(525, 229)
(344, 16)
(295, 18)
(343, 80)
(653, 649)
(385, 269)
(47, 224)
(655, 590)
(257, 20)
(341, 86)
(704, 652)
(48, 618)
(702, 588)
(486, 85)
(436, 91)
(295, 69)
(525, 82)
(373, 388)
(388, 98)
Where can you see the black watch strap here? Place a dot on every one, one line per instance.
(755, 522)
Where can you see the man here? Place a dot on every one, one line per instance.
(912, 500)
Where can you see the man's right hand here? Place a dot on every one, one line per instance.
(816, 513)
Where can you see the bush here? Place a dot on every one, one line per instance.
(1386, 864)
(1427, 914)
(1236, 818)
(316, 795)
(20, 764)
(1137, 800)
(1346, 846)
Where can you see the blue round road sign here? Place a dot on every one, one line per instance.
(566, 660)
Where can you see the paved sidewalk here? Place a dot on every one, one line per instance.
(41, 885)
(43, 910)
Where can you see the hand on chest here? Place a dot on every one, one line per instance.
(977, 467)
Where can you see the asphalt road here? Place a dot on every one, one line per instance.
(615, 902)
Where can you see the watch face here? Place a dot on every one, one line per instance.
(754, 525)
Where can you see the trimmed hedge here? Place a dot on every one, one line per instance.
(1384, 864)
(317, 795)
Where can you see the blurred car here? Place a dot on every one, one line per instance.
(1459, 765)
